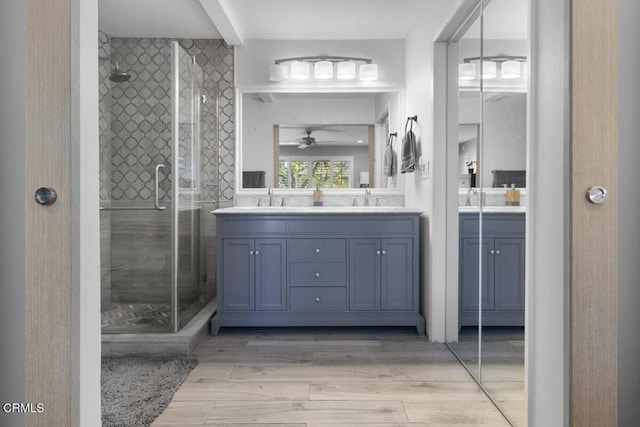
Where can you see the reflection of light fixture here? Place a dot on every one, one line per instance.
(368, 72)
(525, 70)
(364, 179)
(466, 71)
(346, 70)
(512, 67)
(323, 68)
(359, 141)
(489, 70)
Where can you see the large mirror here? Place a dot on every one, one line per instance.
(505, 136)
(326, 140)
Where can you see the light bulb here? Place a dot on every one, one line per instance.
(489, 70)
(510, 70)
(346, 70)
(368, 72)
(323, 70)
(466, 71)
(300, 70)
(278, 73)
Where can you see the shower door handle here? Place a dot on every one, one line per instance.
(157, 187)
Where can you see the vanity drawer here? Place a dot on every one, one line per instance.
(318, 299)
(317, 250)
(391, 225)
(317, 226)
(318, 274)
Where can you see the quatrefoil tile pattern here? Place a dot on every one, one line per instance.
(135, 117)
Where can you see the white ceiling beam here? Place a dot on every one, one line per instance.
(218, 12)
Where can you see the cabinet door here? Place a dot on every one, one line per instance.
(238, 274)
(469, 270)
(364, 274)
(271, 274)
(396, 274)
(509, 274)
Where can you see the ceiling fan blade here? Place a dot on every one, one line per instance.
(302, 146)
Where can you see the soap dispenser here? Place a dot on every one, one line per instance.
(317, 196)
(513, 196)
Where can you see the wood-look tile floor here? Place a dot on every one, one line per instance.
(327, 377)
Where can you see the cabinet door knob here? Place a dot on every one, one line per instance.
(250, 252)
(257, 252)
(498, 252)
(492, 252)
(378, 253)
(384, 252)
(317, 299)
(317, 250)
(318, 275)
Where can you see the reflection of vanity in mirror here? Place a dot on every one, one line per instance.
(309, 140)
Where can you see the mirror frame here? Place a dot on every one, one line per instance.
(240, 91)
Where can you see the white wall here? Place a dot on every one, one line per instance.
(13, 210)
(421, 193)
(259, 117)
(628, 214)
(254, 58)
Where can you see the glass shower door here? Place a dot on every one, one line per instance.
(187, 187)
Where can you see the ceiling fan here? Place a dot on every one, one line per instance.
(308, 140)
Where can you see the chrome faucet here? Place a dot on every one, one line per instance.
(469, 192)
(367, 193)
(270, 193)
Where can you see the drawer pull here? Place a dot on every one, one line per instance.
(318, 275)
(317, 299)
(317, 250)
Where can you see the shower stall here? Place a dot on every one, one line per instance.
(159, 180)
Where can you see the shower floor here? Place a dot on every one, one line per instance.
(138, 317)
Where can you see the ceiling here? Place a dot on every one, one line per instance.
(239, 20)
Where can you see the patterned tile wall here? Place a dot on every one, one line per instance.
(140, 111)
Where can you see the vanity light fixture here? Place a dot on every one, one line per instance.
(323, 68)
(511, 67)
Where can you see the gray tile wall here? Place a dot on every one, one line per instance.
(141, 117)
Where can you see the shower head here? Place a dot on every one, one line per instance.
(118, 76)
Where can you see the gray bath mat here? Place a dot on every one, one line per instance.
(135, 390)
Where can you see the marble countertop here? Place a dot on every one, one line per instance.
(493, 209)
(321, 210)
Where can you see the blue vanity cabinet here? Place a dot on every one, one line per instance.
(283, 269)
(380, 274)
(503, 269)
(254, 274)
